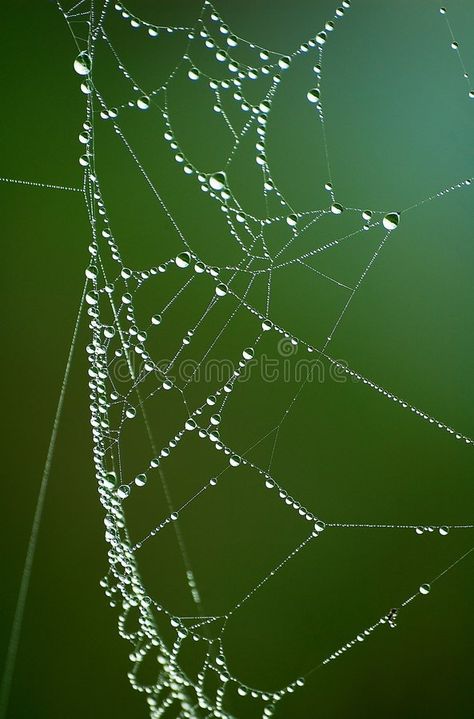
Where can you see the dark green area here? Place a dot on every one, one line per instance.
(399, 129)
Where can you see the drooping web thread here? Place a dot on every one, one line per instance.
(116, 338)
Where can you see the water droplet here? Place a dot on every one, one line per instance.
(110, 480)
(140, 480)
(193, 73)
(390, 221)
(83, 63)
(471, 94)
(367, 215)
(190, 424)
(156, 319)
(143, 103)
(321, 38)
(319, 525)
(313, 95)
(292, 220)
(218, 181)
(123, 491)
(234, 461)
(425, 589)
(183, 260)
(221, 289)
(444, 531)
(337, 209)
(284, 63)
(248, 353)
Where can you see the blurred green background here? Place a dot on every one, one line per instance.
(399, 129)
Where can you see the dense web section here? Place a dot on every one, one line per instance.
(128, 378)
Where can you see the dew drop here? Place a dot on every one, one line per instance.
(444, 531)
(234, 461)
(83, 63)
(425, 589)
(218, 181)
(337, 209)
(390, 221)
(292, 220)
(193, 73)
(123, 491)
(183, 260)
(221, 289)
(190, 424)
(313, 95)
(143, 103)
(140, 480)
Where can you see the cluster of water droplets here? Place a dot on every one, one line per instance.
(113, 342)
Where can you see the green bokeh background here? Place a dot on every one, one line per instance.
(399, 129)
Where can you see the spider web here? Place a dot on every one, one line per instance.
(154, 418)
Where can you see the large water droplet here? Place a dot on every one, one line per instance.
(218, 181)
(140, 480)
(193, 73)
(390, 221)
(221, 289)
(123, 491)
(425, 589)
(143, 103)
(83, 63)
(183, 260)
(313, 95)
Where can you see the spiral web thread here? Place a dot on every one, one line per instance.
(175, 693)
